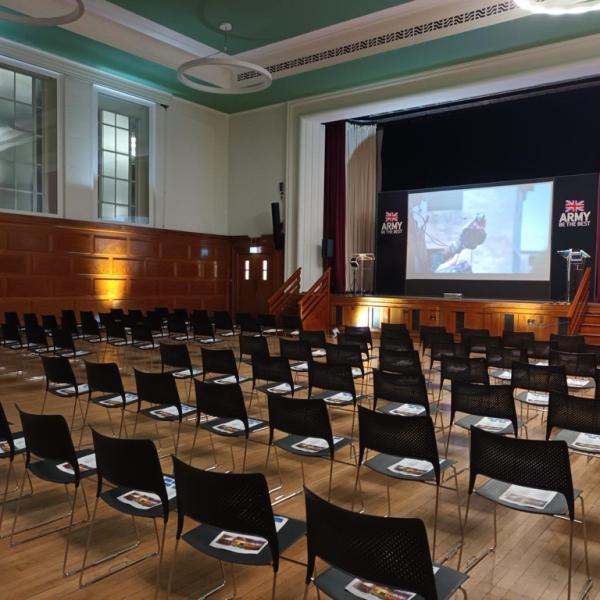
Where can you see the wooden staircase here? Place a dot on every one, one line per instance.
(313, 306)
(584, 318)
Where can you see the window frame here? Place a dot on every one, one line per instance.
(152, 166)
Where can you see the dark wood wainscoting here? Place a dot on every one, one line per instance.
(48, 264)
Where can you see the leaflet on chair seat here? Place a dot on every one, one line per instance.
(242, 543)
(539, 398)
(577, 382)
(493, 424)
(18, 442)
(67, 391)
(527, 497)
(147, 500)
(587, 441)
(408, 410)
(339, 398)
(314, 445)
(283, 388)
(226, 380)
(411, 467)
(235, 426)
(118, 400)
(171, 411)
(303, 366)
(86, 463)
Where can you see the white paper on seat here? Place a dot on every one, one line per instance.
(339, 398)
(86, 463)
(411, 467)
(300, 367)
(235, 426)
(376, 591)
(295, 332)
(528, 497)
(314, 445)
(242, 543)
(587, 441)
(226, 380)
(539, 398)
(356, 372)
(67, 391)
(493, 424)
(577, 382)
(148, 500)
(186, 373)
(503, 375)
(171, 411)
(18, 442)
(541, 363)
(319, 352)
(408, 410)
(118, 400)
(283, 388)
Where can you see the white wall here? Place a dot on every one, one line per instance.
(256, 166)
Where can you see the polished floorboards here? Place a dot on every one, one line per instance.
(530, 561)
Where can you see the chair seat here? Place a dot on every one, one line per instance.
(287, 443)
(186, 374)
(68, 391)
(226, 379)
(299, 367)
(76, 354)
(406, 409)
(229, 427)
(19, 443)
(168, 412)
(282, 389)
(533, 398)
(381, 463)
(48, 470)
(337, 398)
(333, 583)
(200, 538)
(502, 374)
(146, 345)
(493, 490)
(111, 497)
(578, 445)
(114, 401)
(208, 340)
(580, 383)
(469, 421)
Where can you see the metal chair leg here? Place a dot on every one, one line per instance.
(435, 520)
(161, 553)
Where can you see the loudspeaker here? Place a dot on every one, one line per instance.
(327, 248)
(278, 237)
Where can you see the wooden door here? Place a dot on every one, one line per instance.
(258, 273)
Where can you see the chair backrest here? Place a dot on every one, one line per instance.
(12, 318)
(394, 330)
(130, 463)
(89, 325)
(353, 339)
(331, 377)
(539, 378)
(504, 356)
(30, 320)
(566, 343)
(575, 363)
(466, 334)
(315, 338)
(407, 437)
(223, 320)
(272, 369)
(6, 433)
(201, 325)
(11, 333)
(308, 418)
(142, 332)
(223, 401)
(115, 330)
(135, 315)
(481, 343)
(181, 313)
(399, 361)
(35, 334)
(359, 332)
(483, 400)
(515, 339)
(529, 463)
(48, 437)
(162, 311)
(231, 501)
(401, 388)
(248, 323)
(157, 388)
(538, 349)
(267, 321)
(105, 378)
(388, 550)
(253, 346)
(573, 413)
(291, 322)
(458, 368)
(427, 331)
(175, 355)
(221, 362)
(397, 343)
(295, 349)
(68, 320)
(176, 323)
(118, 313)
(62, 338)
(444, 346)
(49, 322)
(338, 355)
(58, 369)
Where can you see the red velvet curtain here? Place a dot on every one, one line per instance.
(334, 213)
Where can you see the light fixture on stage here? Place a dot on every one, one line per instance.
(559, 7)
(575, 260)
(63, 19)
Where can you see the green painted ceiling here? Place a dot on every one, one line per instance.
(479, 43)
(255, 22)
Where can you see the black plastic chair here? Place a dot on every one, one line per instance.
(68, 321)
(580, 368)
(12, 318)
(202, 329)
(37, 340)
(248, 324)
(405, 362)
(516, 339)
(291, 324)
(135, 316)
(426, 332)
(138, 489)
(539, 350)
(65, 345)
(160, 391)
(481, 344)
(317, 341)
(471, 339)
(236, 511)
(405, 395)
(467, 370)
(359, 340)
(511, 464)
(49, 323)
(489, 407)
(297, 351)
(441, 346)
(501, 358)
(90, 328)
(226, 404)
(309, 435)
(268, 324)
(338, 355)
(252, 346)
(11, 336)
(406, 450)
(30, 320)
(47, 438)
(177, 327)
(178, 356)
(394, 331)
(116, 337)
(403, 344)
(142, 338)
(536, 382)
(566, 343)
(224, 323)
(222, 362)
(387, 551)
(276, 371)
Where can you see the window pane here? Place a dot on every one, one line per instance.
(122, 166)
(7, 199)
(7, 175)
(123, 121)
(7, 113)
(108, 117)
(108, 163)
(122, 141)
(107, 211)
(23, 88)
(24, 177)
(108, 190)
(7, 84)
(122, 192)
(24, 149)
(108, 138)
(122, 211)
(24, 201)
(23, 117)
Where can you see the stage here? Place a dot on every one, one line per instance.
(543, 318)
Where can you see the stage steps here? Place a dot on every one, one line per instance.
(590, 325)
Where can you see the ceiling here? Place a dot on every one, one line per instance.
(310, 46)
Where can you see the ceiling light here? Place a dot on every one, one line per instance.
(259, 77)
(75, 14)
(559, 7)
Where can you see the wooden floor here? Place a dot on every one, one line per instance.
(530, 561)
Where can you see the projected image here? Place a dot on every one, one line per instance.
(499, 232)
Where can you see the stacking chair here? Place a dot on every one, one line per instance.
(276, 372)
(580, 368)
(566, 343)
(37, 340)
(297, 352)
(406, 450)
(516, 339)
(578, 420)
(372, 554)
(359, 340)
(223, 323)
(394, 331)
(11, 336)
(360, 332)
(236, 512)
(138, 489)
(105, 379)
(155, 320)
(11, 444)
(291, 325)
(118, 314)
(202, 329)
(268, 324)
(162, 312)
(468, 370)
(426, 332)
(400, 343)
(482, 344)
(444, 345)
(539, 352)
(68, 322)
(49, 323)
(182, 313)
(160, 391)
(489, 407)
(472, 339)
(252, 346)
(248, 324)
(515, 466)
(65, 345)
(177, 327)
(30, 320)
(535, 383)
(501, 358)
(349, 355)
(405, 395)
(178, 356)
(226, 415)
(135, 316)
(142, 337)
(12, 318)
(406, 362)
(61, 382)
(309, 435)
(47, 438)
(117, 337)
(90, 328)
(317, 341)
(222, 362)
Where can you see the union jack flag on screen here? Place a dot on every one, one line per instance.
(391, 217)
(574, 206)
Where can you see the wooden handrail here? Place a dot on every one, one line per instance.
(579, 303)
(315, 304)
(286, 295)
